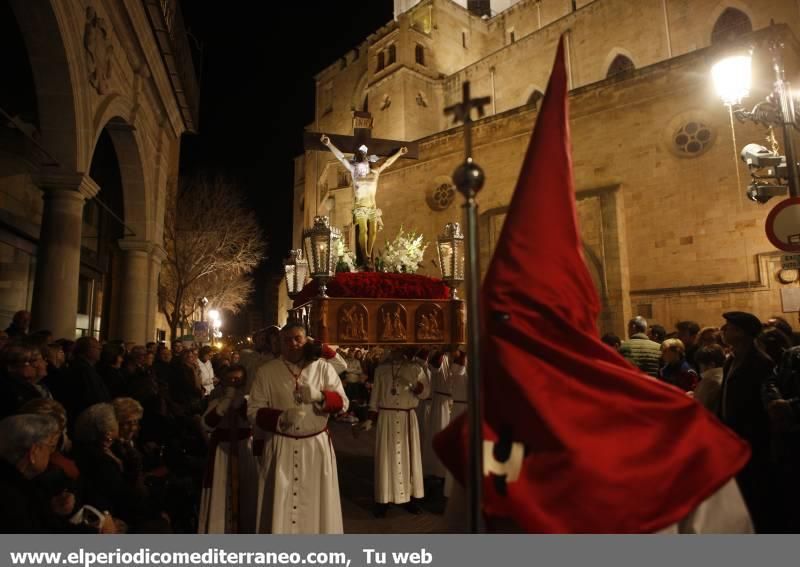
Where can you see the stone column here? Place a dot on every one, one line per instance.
(58, 258)
(133, 310)
(156, 258)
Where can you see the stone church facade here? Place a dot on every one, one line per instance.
(668, 232)
(95, 99)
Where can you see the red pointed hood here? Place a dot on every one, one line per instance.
(607, 448)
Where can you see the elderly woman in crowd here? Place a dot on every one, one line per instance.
(26, 443)
(106, 483)
(129, 414)
(676, 369)
(58, 460)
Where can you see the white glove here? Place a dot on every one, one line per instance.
(365, 425)
(310, 394)
(291, 417)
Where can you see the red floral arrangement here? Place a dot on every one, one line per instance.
(378, 284)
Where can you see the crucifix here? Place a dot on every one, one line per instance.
(365, 150)
(469, 179)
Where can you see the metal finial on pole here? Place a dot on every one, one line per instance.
(469, 179)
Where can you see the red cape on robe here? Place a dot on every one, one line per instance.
(607, 448)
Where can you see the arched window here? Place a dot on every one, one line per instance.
(536, 98)
(381, 60)
(620, 64)
(419, 54)
(731, 24)
(392, 54)
(366, 103)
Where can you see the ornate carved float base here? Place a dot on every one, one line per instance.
(383, 321)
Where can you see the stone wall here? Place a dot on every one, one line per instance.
(667, 234)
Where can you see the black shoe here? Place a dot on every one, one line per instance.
(412, 508)
(380, 510)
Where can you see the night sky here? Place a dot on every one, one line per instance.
(257, 94)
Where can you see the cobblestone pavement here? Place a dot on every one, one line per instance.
(355, 461)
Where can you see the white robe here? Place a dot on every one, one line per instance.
(206, 375)
(458, 386)
(252, 361)
(215, 505)
(298, 481)
(441, 405)
(424, 407)
(398, 458)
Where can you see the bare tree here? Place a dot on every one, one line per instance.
(213, 244)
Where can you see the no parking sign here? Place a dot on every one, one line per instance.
(783, 225)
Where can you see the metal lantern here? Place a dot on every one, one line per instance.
(320, 244)
(450, 245)
(296, 268)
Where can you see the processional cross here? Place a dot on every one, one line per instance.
(469, 179)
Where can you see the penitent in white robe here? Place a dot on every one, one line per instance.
(229, 432)
(298, 481)
(458, 386)
(398, 458)
(441, 405)
(424, 408)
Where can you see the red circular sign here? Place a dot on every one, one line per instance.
(783, 225)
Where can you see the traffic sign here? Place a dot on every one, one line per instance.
(200, 331)
(790, 262)
(783, 225)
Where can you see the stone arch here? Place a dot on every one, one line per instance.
(55, 76)
(360, 93)
(730, 24)
(618, 57)
(721, 8)
(128, 146)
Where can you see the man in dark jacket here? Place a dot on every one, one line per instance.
(85, 387)
(19, 325)
(741, 409)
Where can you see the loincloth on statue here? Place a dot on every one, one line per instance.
(369, 214)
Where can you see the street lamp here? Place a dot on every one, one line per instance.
(216, 323)
(296, 268)
(732, 76)
(450, 246)
(320, 243)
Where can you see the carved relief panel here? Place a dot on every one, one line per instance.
(392, 322)
(429, 323)
(353, 323)
(99, 50)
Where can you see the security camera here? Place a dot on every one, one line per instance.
(763, 193)
(759, 157)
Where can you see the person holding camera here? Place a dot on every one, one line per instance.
(290, 402)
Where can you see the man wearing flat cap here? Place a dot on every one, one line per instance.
(742, 410)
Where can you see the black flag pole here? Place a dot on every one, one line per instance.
(469, 179)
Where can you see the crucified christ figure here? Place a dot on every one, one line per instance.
(366, 214)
